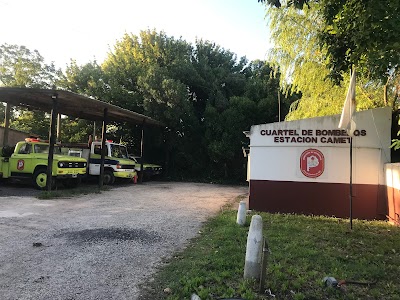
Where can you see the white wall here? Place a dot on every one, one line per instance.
(282, 164)
(280, 161)
(393, 175)
(393, 194)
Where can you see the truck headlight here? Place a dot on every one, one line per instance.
(118, 166)
(60, 164)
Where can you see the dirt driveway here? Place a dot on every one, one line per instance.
(98, 246)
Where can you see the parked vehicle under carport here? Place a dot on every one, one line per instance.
(149, 170)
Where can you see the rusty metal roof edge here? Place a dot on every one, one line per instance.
(111, 107)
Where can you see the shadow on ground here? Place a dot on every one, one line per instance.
(20, 188)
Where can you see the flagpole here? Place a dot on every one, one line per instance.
(346, 122)
(351, 183)
(351, 158)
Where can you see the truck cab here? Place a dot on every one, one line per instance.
(29, 160)
(116, 165)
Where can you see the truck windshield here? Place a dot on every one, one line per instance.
(43, 148)
(118, 151)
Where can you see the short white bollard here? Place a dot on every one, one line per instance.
(252, 265)
(241, 214)
(195, 297)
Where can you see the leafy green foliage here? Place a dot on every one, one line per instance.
(21, 67)
(76, 130)
(36, 122)
(303, 250)
(87, 79)
(301, 59)
(363, 33)
(299, 4)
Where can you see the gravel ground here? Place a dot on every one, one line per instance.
(99, 246)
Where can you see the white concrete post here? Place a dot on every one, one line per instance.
(241, 214)
(252, 266)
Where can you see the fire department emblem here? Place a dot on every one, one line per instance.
(20, 164)
(312, 163)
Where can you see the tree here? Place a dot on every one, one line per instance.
(362, 33)
(300, 58)
(36, 122)
(224, 136)
(256, 103)
(299, 4)
(143, 74)
(88, 80)
(21, 67)
(122, 68)
(219, 76)
(183, 85)
(262, 87)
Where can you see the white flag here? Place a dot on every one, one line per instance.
(349, 107)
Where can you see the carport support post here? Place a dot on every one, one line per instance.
(58, 127)
(52, 141)
(141, 154)
(6, 124)
(103, 147)
(166, 148)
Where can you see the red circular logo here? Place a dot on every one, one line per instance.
(20, 164)
(312, 163)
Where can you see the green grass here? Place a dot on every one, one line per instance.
(71, 192)
(304, 249)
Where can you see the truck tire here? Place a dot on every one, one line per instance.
(109, 177)
(40, 179)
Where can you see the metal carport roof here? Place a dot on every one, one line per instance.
(71, 104)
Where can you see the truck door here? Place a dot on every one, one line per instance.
(95, 159)
(21, 162)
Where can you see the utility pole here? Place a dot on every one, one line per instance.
(279, 105)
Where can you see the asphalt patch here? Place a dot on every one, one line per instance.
(111, 234)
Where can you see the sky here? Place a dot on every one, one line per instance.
(86, 30)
